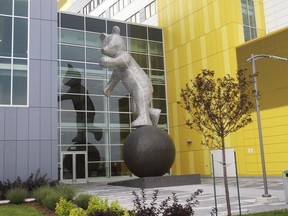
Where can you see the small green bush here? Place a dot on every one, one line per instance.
(66, 191)
(41, 193)
(63, 207)
(51, 199)
(82, 200)
(77, 212)
(17, 195)
(97, 204)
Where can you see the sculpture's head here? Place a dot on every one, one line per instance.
(70, 75)
(113, 43)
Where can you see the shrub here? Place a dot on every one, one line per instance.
(17, 195)
(51, 199)
(63, 207)
(41, 193)
(77, 212)
(170, 206)
(82, 200)
(97, 204)
(66, 191)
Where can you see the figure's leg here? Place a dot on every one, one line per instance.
(114, 79)
(154, 115)
(90, 121)
(141, 106)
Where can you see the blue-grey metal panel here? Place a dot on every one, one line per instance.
(10, 124)
(1, 160)
(33, 156)
(54, 84)
(45, 92)
(10, 160)
(45, 158)
(22, 159)
(35, 8)
(34, 83)
(54, 41)
(54, 10)
(2, 123)
(22, 123)
(45, 39)
(34, 124)
(45, 124)
(46, 8)
(35, 39)
(54, 160)
(54, 124)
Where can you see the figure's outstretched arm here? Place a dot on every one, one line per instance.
(114, 79)
(121, 61)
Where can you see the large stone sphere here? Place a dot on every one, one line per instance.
(148, 151)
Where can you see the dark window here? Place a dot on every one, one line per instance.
(5, 35)
(71, 21)
(6, 7)
(137, 31)
(20, 37)
(20, 8)
(155, 34)
(122, 27)
(95, 25)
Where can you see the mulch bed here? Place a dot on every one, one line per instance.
(46, 211)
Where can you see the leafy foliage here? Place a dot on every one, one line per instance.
(82, 200)
(66, 191)
(40, 193)
(17, 195)
(217, 107)
(63, 207)
(169, 207)
(34, 181)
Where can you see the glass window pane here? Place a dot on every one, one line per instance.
(72, 37)
(118, 136)
(20, 37)
(155, 34)
(95, 86)
(72, 21)
(157, 77)
(253, 33)
(119, 104)
(160, 104)
(119, 169)
(120, 90)
(138, 46)
(142, 60)
(72, 69)
(93, 55)
(121, 25)
(5, 81)
(95, 25)
(137, 31)
(98, 169)
(5, 35)
(95, 71)
(72, 53)
(101, 150)
(119, 120)
(68, 135)
(159, 91)
(157, 62)
(97, 135)
(6, 7)
(20, 82)
(99, 103)
(156, 48)
(93, 40)
(247, 33)
(73, 102)
(116, 153)
(21, 8)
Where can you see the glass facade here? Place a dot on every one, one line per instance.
(90, 123)
(249, 21)
(13, 52)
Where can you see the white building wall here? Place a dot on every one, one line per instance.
(276, 14)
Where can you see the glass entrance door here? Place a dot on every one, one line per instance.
(74, 167)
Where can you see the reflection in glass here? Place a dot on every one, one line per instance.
(136, 31)
(79, 104)
(5, 36)
(5, 81)
(6, 7)
(119, 119)
(95, 71)
(142, 60)
(139, 46)
(116, 153)
(95, 86)
(156, 48)
(119, 104)
(72, 21)
(72, 37)
(157, 77)
(118, 136)
(157, 62)
(160, 104)
(119, 169)
(159, 91)
(98, 169)
(93, 55)
(80, 166)
(20, 7)
(20, 37)
(68, 167)
(72, 53)
(93, 40)
(20, 82)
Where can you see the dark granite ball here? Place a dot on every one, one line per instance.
(148, 151)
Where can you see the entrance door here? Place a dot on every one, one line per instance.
(74, 167)
(230, 161)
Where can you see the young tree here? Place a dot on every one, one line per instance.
(218, 107)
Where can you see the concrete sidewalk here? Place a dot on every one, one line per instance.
(250, 189)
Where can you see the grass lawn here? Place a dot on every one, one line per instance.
(283, 212)
(19, 210)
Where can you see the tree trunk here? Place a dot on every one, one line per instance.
(225, 178)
